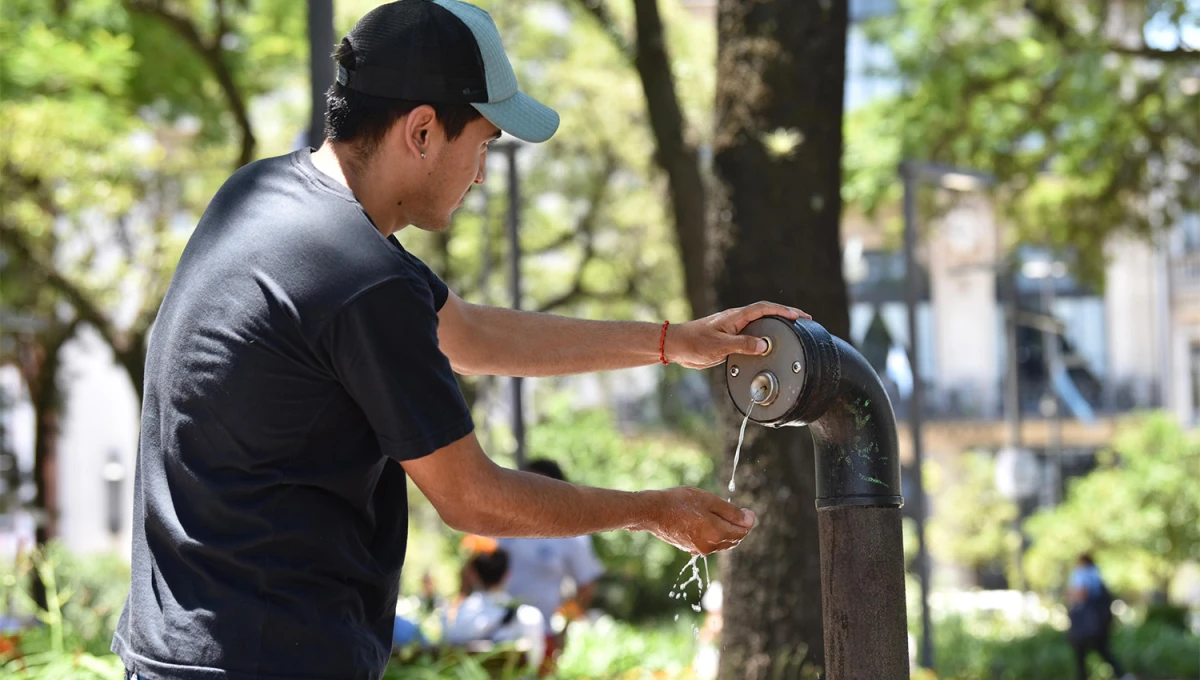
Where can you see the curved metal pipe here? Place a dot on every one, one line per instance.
(858, 493)
(832, 389)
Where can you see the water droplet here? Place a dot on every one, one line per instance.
(677, 617)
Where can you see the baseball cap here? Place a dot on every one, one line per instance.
(443, 52)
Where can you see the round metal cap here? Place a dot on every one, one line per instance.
(769, 381)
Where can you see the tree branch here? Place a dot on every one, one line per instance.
(211, 53)
(599, 12)
(1062, 29)
(587, 227)
(1180, 54)
(561, 241)
(13, 238)
(673, 154)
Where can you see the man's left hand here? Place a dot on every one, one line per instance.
(706, 342)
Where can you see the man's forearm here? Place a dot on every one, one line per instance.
(473, 494)
(519, 504)
(529, 344)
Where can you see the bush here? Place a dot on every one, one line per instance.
(1167, 614)
(1138, 513)
(70, 639)
(1156, 650)
(611, 649)
(1152, 651)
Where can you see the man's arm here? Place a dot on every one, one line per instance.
(473, 494)
(494, 341)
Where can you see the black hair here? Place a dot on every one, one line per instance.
(363, 119)
(1086, 558)
(491, 567)
(546, 468)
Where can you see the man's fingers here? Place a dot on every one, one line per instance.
(761, 309)
(747, 344)
(733, 514)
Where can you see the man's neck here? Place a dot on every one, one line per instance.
(333, 159)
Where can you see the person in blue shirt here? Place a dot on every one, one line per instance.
(1089, 606)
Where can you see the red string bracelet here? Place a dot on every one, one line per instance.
(662, 344)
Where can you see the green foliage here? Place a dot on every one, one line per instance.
(427, 665)
(84, 599)
(610, 649)
(973, 525)
(117, 134)
(1047, 97)
(1151, 651)
(1138, 514)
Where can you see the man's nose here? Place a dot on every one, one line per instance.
(481, 175)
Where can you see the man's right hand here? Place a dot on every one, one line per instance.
(696, 521)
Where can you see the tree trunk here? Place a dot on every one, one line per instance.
(38, 364)
(778, 147)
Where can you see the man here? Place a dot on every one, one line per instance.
(490, 615)
(542, 566)
(1089, 608)
(302, 365)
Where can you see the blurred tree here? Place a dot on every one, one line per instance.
(1138, 514)
(676, 142)
(780, 71)
(1087, 111)
(973, 526)
(114, 143)
(32, 341)
(777, 156)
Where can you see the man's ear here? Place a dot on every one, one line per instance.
(419, 127)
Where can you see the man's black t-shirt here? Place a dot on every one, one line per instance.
(294, 361)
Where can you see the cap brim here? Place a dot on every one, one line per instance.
(522, 117)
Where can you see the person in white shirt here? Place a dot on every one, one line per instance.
(541, 567)
(489, 616)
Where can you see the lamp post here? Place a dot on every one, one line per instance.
(320, 64)
(510, 147)
(912, 173)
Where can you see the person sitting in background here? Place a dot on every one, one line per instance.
(406, 632)
(1089, 607)
(491, 616)
(541, 566)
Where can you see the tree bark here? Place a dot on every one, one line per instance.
(776, 212)
(38, 364)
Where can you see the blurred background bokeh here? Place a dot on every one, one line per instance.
(1040, 158)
